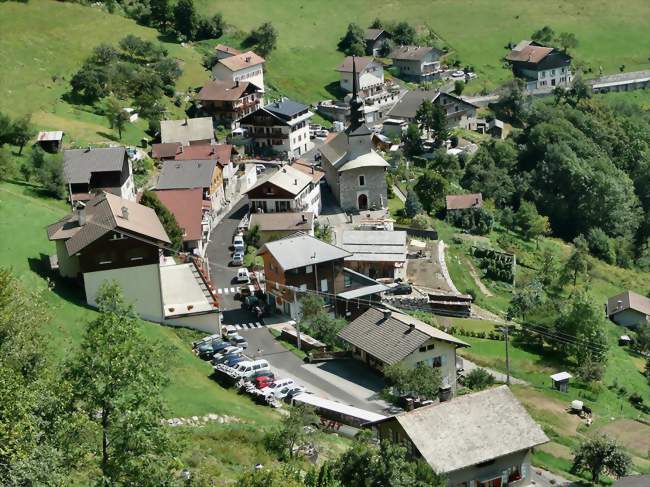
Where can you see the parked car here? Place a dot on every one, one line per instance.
(458, 74)
(294, 391)
(321, 133)
(234, 360)
(207, 339)
(282, 392)
(279, 385)
(207, 349)
(216, 348)
(245, 369)
(225, 358)
(238, 243)
(243, 275)
(401, 288)
(238, 340)
(243, 292)
(260, 168)
(263, 381)
(237, 258)
(229, 350)
(261, 374)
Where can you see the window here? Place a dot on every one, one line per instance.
(136, 258)
(105, 262)
(542, 74)
(437, 362)
(118, 236)
(552, 72)
(362, 180)
(323, 285)
(303, 287)
(347, 280)
(309, 269)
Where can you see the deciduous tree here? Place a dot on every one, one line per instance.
(601, 454)
(353, 43)
(167, 218)
(265, 38)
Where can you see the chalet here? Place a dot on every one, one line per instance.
(166, 152)
(192, 216)
(463, 201)
(188, 131)
(281, 126)
(375, 253)
(115, 239)
(541, 68)
(274, 226)
(302, 263)
(417, 63)
(459, 111)
(376, 41)
(355, 173)
(51, 142)
(93, 170)
(369, 75)
(202, 174)
(382, 337)
(246, 66)
(629, 309)
(229, 102)
(484, 439)
(285, 190)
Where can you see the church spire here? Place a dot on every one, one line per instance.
(356, 104)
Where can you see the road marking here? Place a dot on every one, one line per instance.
(233, 290)
(225, 290)
(257, 324)
(219, 291)
(248, 326)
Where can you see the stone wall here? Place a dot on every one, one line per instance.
(374, 187)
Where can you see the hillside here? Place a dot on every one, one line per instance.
(43, 43)
(609, 33)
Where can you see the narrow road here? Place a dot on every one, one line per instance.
(398, 192)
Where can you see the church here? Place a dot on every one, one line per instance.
(354, 171)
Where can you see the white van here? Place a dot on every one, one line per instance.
(243, 275)
(238, 243)
(247, 368)
(277, 386)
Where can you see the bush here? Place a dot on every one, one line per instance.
(600, 245)
(479, 379)
(421, 221)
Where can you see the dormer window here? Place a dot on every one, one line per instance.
(118, 236)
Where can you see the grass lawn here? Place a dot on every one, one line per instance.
(44, 42)
(289, 346)
(477, 30)
(24, 214)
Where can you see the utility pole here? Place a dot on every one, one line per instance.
(295, 301)
(505, 331)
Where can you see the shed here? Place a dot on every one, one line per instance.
(50, 141)
(560, 381)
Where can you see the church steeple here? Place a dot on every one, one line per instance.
(357, 117)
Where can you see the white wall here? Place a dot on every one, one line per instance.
(253, 74)
(496, 469)
(368, 78)
(140, 285)
(441, 349)
(628, 317)
(207, 322)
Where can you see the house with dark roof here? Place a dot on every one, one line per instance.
(417, 63)
(382, 337)
(115, 239)
(192, 216)
(286, 189)
(281, 127)
(274, 226)
(376, 41)
(369, 74)
(459, 112)
(228, 102)
(91, 170)
(245, 66)
(354, 171)
(187, 131)
(541, 68)
(629, 309)
(484, 439)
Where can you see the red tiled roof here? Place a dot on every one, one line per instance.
(529, 54)
(227, 49)
(360, 63)
(170, 149)
(309, 169)
(241, 61)
(187, 207)
(464, 201)
(218, 152)
(216, 90)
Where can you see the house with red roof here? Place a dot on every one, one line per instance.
(246, 66)
(541, 68)
(192, 215)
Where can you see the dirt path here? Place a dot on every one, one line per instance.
(477, 279)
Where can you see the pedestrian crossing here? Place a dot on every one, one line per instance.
(233, 290)
(249, 326)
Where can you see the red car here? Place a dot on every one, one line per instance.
(263, 381)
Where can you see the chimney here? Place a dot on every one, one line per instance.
(477, 201)
(304, 217)
(236, 83)
(619, 304)
(125, 213)
(248, 59)
(295, 182)
(312, 168)
(387, 314)
(81, 214)
(411, 327)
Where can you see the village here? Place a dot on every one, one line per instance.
(342, 258)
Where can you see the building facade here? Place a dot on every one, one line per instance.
(246, 66)
(417, 63)
(541, 68)
(369, 74)
(229, 103)
(285, 190)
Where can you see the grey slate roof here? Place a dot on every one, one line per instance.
(186, 174)
(629, 300)
(633, 481)
(301, 250)
(374, 245)
(186, 130)
(79, 164)
(336, 152)
(470, 429)
(411, 101)
(392, 339)
(286, 108)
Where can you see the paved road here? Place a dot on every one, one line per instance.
(347, 383)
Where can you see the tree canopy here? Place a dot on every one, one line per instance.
(167, 218)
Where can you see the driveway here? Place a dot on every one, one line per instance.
(347, 381)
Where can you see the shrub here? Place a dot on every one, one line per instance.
(421, 221)
(479, 379)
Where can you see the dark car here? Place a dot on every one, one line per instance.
(225, 358)
(233, 360)
(207, 350)
(401, 288)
